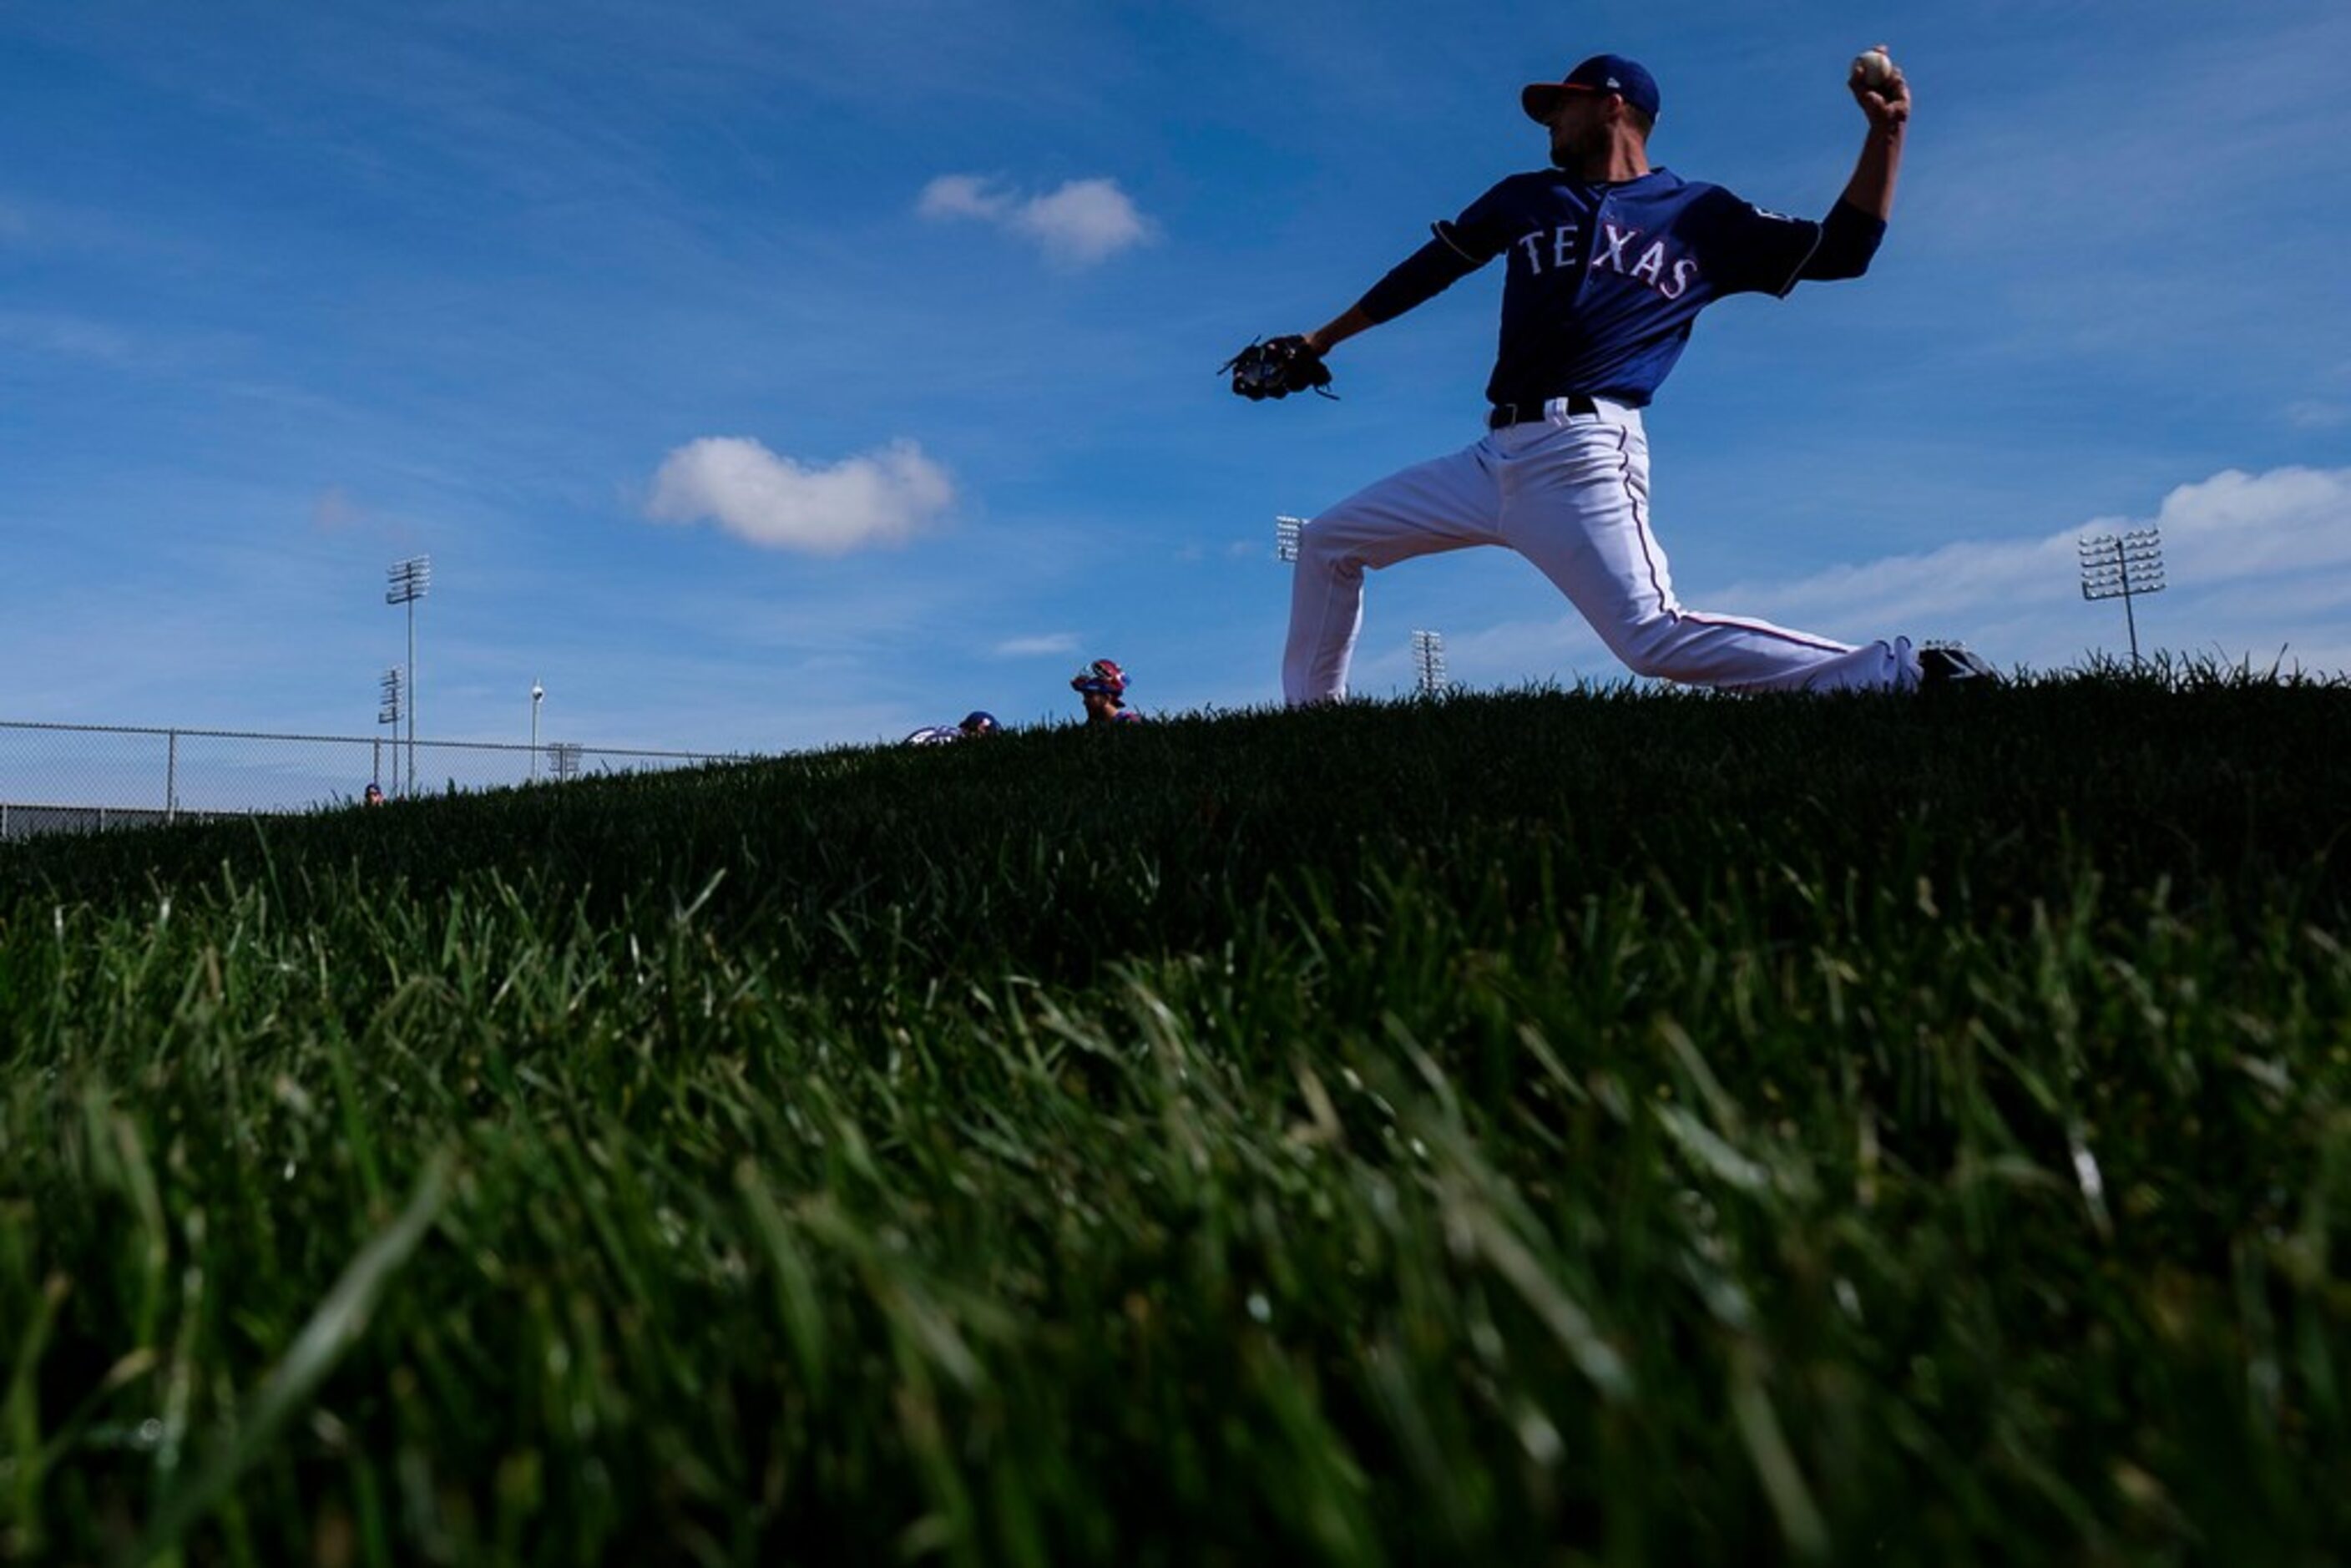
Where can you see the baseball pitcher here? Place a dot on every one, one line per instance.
(1607, 262)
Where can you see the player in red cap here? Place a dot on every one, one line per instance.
(1102, 686)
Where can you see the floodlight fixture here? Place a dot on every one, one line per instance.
(1428, 662)
(2122, 566)
(1285, 538)
(538, 694)
(406, 581)
(387, 712)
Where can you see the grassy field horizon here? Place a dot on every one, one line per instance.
(1595, 1126)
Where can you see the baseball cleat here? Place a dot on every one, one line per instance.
(1950, 664)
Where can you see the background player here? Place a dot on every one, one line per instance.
(1607, 263)
(976, 725)
(1101, 687)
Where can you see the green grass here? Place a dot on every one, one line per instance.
(1557, 1127)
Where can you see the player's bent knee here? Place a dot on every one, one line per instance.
(1328, 549)
(1647, 650)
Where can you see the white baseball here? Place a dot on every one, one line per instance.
(1877, 70)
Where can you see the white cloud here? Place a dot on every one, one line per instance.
(1037, 647)
(1077, 223)
(2288, 528)
(2311, 413)
(882, 497)
(1083, 221)
(963, 196)
(2239, 525)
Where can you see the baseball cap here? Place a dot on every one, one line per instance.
(1628, 79)
(1102, 677)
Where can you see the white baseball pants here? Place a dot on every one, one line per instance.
(1570, 493)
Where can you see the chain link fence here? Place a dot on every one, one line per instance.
(84, 778)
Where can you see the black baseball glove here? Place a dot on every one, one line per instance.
(1277, 367)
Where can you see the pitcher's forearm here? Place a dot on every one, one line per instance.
(1332, 333)
(1872, 187)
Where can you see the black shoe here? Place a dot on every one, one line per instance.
(1950, 664)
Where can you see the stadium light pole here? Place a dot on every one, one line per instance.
(1285, 538)
(538, 691)
(1428, 662)
(408, 581)
(2123, 566)
(387, 712)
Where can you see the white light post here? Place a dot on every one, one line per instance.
(387, 712)
(410, 580)
(538, 693)
(2122, 566)
(1428, 662)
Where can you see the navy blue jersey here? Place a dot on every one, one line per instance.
(1603, 281)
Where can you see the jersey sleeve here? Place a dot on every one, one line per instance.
(1455, 250)
(1482, 230)
(1750, 249)
(1849, 239)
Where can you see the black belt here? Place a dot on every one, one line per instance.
(1503, 414)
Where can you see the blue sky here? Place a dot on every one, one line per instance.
(768, 377)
